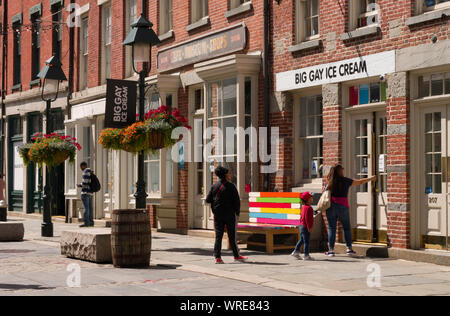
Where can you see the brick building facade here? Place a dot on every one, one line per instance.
(362, 83)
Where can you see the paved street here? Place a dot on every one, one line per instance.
(183, 265)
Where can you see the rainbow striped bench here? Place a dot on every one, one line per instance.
(273, 213)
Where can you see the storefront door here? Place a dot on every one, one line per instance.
(369, 201)
(15, 166)
(434, 178)
(34, 173)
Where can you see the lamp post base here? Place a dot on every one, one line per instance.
(47, 230)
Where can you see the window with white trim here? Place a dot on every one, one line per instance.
(84, 50)
(307, 20)
(199, 10)
(152, 164)
(434, 84)
(363, 13)
(71, 171)
(106, 42)
(311, 137)
(165, 16)
(237, 3)
(423, 6)
(130, 18)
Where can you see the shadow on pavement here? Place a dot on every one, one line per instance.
(208, 252)
(16, 287)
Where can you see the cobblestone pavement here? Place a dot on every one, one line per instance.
(183, 265)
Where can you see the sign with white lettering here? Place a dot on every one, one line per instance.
(206, 47)
(121, 98)
(344, 70)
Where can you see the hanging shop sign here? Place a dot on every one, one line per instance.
(351, 69)
(206, 47)
(121, 96)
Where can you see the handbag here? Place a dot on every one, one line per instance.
(325, 201)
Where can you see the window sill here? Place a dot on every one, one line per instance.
(245, 7)
(361, 32)
(166, 36)
(200, 23)
(16, 88)
(428, 16)
(35, 82)
(305, 45)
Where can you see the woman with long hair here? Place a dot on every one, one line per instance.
(339, 187)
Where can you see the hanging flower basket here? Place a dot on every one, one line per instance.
(51, 150)
(154, 133)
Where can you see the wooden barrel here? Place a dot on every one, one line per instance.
(131, 238)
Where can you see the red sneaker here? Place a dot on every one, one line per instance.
(219, 261)
(240, 258)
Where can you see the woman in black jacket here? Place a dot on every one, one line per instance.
(226, 206)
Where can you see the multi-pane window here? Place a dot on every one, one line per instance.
(35, 45)
(434, 4)
(382, 152)
(106, 18)
(84, 51)
(169, 171)
(57, 30)
(434, 85)
(165, 16)
(311, 136)
(17, 67)
(130, 16)
(307, 19)
(198, 99)
(87, 145)
(367, 93)
(151, 169)
(236, 3)
(222, 116)
(199, 10)
(312, 18)
(433, 153)
(367, 13)
(361, 152)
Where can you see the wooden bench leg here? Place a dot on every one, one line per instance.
(269, 242)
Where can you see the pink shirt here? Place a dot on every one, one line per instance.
(340, 200)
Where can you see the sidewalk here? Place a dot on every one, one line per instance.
(183, 265)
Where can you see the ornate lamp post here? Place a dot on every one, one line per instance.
(141, 38)
(53, 75)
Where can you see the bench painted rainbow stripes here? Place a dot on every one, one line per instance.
(276, 208)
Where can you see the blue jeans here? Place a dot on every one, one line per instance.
(88, 206)
(305, 237)
(341, 212)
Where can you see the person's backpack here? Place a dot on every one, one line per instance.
(95, 183)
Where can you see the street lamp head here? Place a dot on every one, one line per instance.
(141, 37)
(52, 74)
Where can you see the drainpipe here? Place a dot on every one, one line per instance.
(71, 66)
(266, 85)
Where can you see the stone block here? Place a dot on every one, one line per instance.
(11, 231)
(89, 244)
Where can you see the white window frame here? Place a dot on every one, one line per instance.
(199, 10)
(165, 16)
(106, 41)
(355, 14)
(84, 52)
(421, 8)
(301, 19)
(130, 11)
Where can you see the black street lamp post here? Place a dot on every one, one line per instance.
(141, 38)
(52, 74)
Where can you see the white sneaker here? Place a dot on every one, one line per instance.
(295, 254)
(308, 258)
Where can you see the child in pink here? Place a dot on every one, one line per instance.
(306, 226)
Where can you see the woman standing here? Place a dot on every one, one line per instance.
(339, 187)
(226, 206)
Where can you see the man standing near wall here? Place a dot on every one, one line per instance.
(87, 195)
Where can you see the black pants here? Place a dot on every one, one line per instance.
(219, 226)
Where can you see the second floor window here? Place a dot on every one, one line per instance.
(165, 16)
(36, 46)
(199, 10)
(84, 50)
(307, 19)
(57, 30)
(106, 26)
(17, 28)
(429, 5)
(130, 16)
(236, 3)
